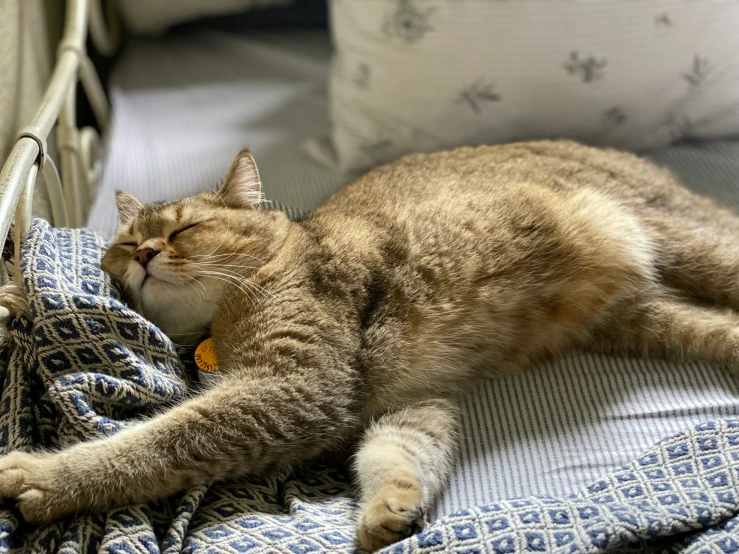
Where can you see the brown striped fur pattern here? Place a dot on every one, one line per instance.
(355, 329)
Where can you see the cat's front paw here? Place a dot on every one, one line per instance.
(33, 480)
(394, 514)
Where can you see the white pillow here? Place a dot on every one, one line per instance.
(419, 75)
(155, 16)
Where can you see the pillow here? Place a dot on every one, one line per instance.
(155, 16)
(420, 75)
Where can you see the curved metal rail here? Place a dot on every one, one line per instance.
(79, 149)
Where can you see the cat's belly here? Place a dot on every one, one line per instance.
(489, 300)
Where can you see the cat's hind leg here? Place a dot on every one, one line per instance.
(401, 465)
(699, 254)
(671, 328)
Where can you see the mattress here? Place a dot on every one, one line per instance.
(186, 104)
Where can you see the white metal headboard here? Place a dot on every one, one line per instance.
(79, 149)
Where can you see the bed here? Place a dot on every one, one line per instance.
(182, 106)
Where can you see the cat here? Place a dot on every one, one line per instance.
(355, 329)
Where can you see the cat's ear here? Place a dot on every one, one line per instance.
(242, 187)
(128, 206)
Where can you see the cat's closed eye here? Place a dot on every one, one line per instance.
(173, 235)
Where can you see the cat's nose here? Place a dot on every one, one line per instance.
(145, 255)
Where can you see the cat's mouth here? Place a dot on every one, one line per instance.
(152, 280)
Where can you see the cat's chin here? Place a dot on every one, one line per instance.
(183, 325)
(156, 283)
(152, 281)
(159, 295)
(182, 312)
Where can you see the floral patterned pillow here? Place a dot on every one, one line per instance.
(419, 75)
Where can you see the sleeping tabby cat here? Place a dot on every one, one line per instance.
(354, 329)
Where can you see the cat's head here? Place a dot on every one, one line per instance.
(177, 259)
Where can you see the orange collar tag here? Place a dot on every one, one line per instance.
(205, 356)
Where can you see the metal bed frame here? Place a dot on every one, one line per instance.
(80, 150)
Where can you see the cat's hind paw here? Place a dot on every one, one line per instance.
(394, 514)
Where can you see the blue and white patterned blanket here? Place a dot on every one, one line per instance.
(86, 366)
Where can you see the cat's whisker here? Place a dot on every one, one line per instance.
(217, 265)
(202, 294)
(261, 289)
(226, 264)
(224, 276)
(227, 255)
(249, 285)
(233, 280)
(231, 253)
(206, 269)
(247, 282)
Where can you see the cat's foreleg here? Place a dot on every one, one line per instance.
(402, 464)
(243, 426)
